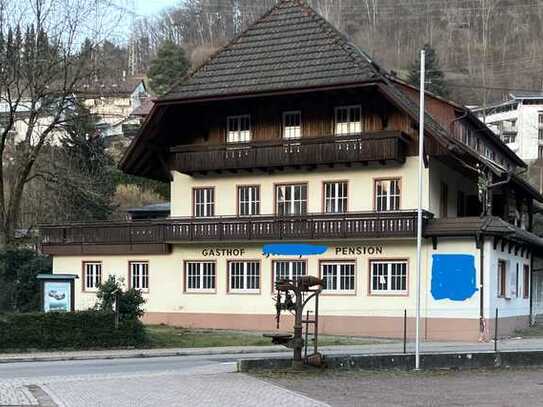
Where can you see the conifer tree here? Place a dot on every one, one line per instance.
(169, 67)
(435, 78)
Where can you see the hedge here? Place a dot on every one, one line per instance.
(68, 330)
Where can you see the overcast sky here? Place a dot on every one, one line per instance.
(149, 7)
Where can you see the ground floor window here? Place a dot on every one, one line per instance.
(339, 277)
(388, 277)
(244, 276)
(139, 275)
(502, 278)
(289, 270)
(200, 276)
(92, 275)
(526, 281)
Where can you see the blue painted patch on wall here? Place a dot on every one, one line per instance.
(293, 249)
(453, 277)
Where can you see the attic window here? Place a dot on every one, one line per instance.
(239, 129)
(292, 125)
(348, 120)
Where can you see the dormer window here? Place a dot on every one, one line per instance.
(292, 125)
(238, 129)
(348, 120)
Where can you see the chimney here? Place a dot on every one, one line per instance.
(124, 75)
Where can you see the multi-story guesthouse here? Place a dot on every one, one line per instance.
(518, 122)
(292, 135)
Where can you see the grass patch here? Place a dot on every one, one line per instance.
(532, 332)
(162, 336)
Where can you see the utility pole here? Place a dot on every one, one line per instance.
(419, 206)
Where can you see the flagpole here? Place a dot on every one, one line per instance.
(419, 207)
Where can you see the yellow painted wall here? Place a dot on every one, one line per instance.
(361, 181)
(166, 281)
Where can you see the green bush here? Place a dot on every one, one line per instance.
(19, 288)
(130, 302)
(69, 330)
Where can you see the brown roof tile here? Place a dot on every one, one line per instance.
(289, 47)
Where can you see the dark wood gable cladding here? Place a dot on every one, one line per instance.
(385, 133)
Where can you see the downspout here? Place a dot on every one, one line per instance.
(532, 319)
(482, 323)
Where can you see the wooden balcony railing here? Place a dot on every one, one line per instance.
(229, 229)
(375, 147)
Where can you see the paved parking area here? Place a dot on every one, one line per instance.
(210, 385)
(485, 388)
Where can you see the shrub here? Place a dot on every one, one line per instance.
(19, 288)
(130, 301)
(77, 330)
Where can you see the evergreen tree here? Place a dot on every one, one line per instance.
(435, 79)
(169, 66)
(85, 173)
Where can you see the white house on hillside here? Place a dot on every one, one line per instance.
(518, 122)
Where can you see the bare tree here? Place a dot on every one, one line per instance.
(42, 67)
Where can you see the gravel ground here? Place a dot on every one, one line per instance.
(496, 388)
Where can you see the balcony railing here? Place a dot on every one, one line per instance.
(229, 229)
(374, 147)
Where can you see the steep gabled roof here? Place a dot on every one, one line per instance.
(291, 46)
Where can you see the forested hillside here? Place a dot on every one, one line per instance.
(485, 47)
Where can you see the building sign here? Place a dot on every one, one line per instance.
(57, 296)
(223, 252)
(359, 250)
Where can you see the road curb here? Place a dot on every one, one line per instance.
(139, 355)
(429, 361)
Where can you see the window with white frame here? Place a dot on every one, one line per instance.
(291, 200)
(139, 275)
(93, 275)
(338, 277)
(526, 281)
(288, 270)
(348, 120)
(204, 202)
(387, 195)
(388, 277)
(335, 197)
(239, 129)
(292, 125)
(502, 278)
(244, 276)
(200, 276)
(249, 200)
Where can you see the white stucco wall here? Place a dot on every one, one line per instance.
(361, 184)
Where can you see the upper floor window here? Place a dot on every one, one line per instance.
(204, 202)
(291, 199)
(348, 120)
(444, 200)
(248, 200)
(387, 195)
(292, 125)
(335, 197)
(139, 275)
(93, 275)
(239, 129)
(200, 276)
(540, 152)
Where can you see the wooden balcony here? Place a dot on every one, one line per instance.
(379, 147)
(155, 237)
